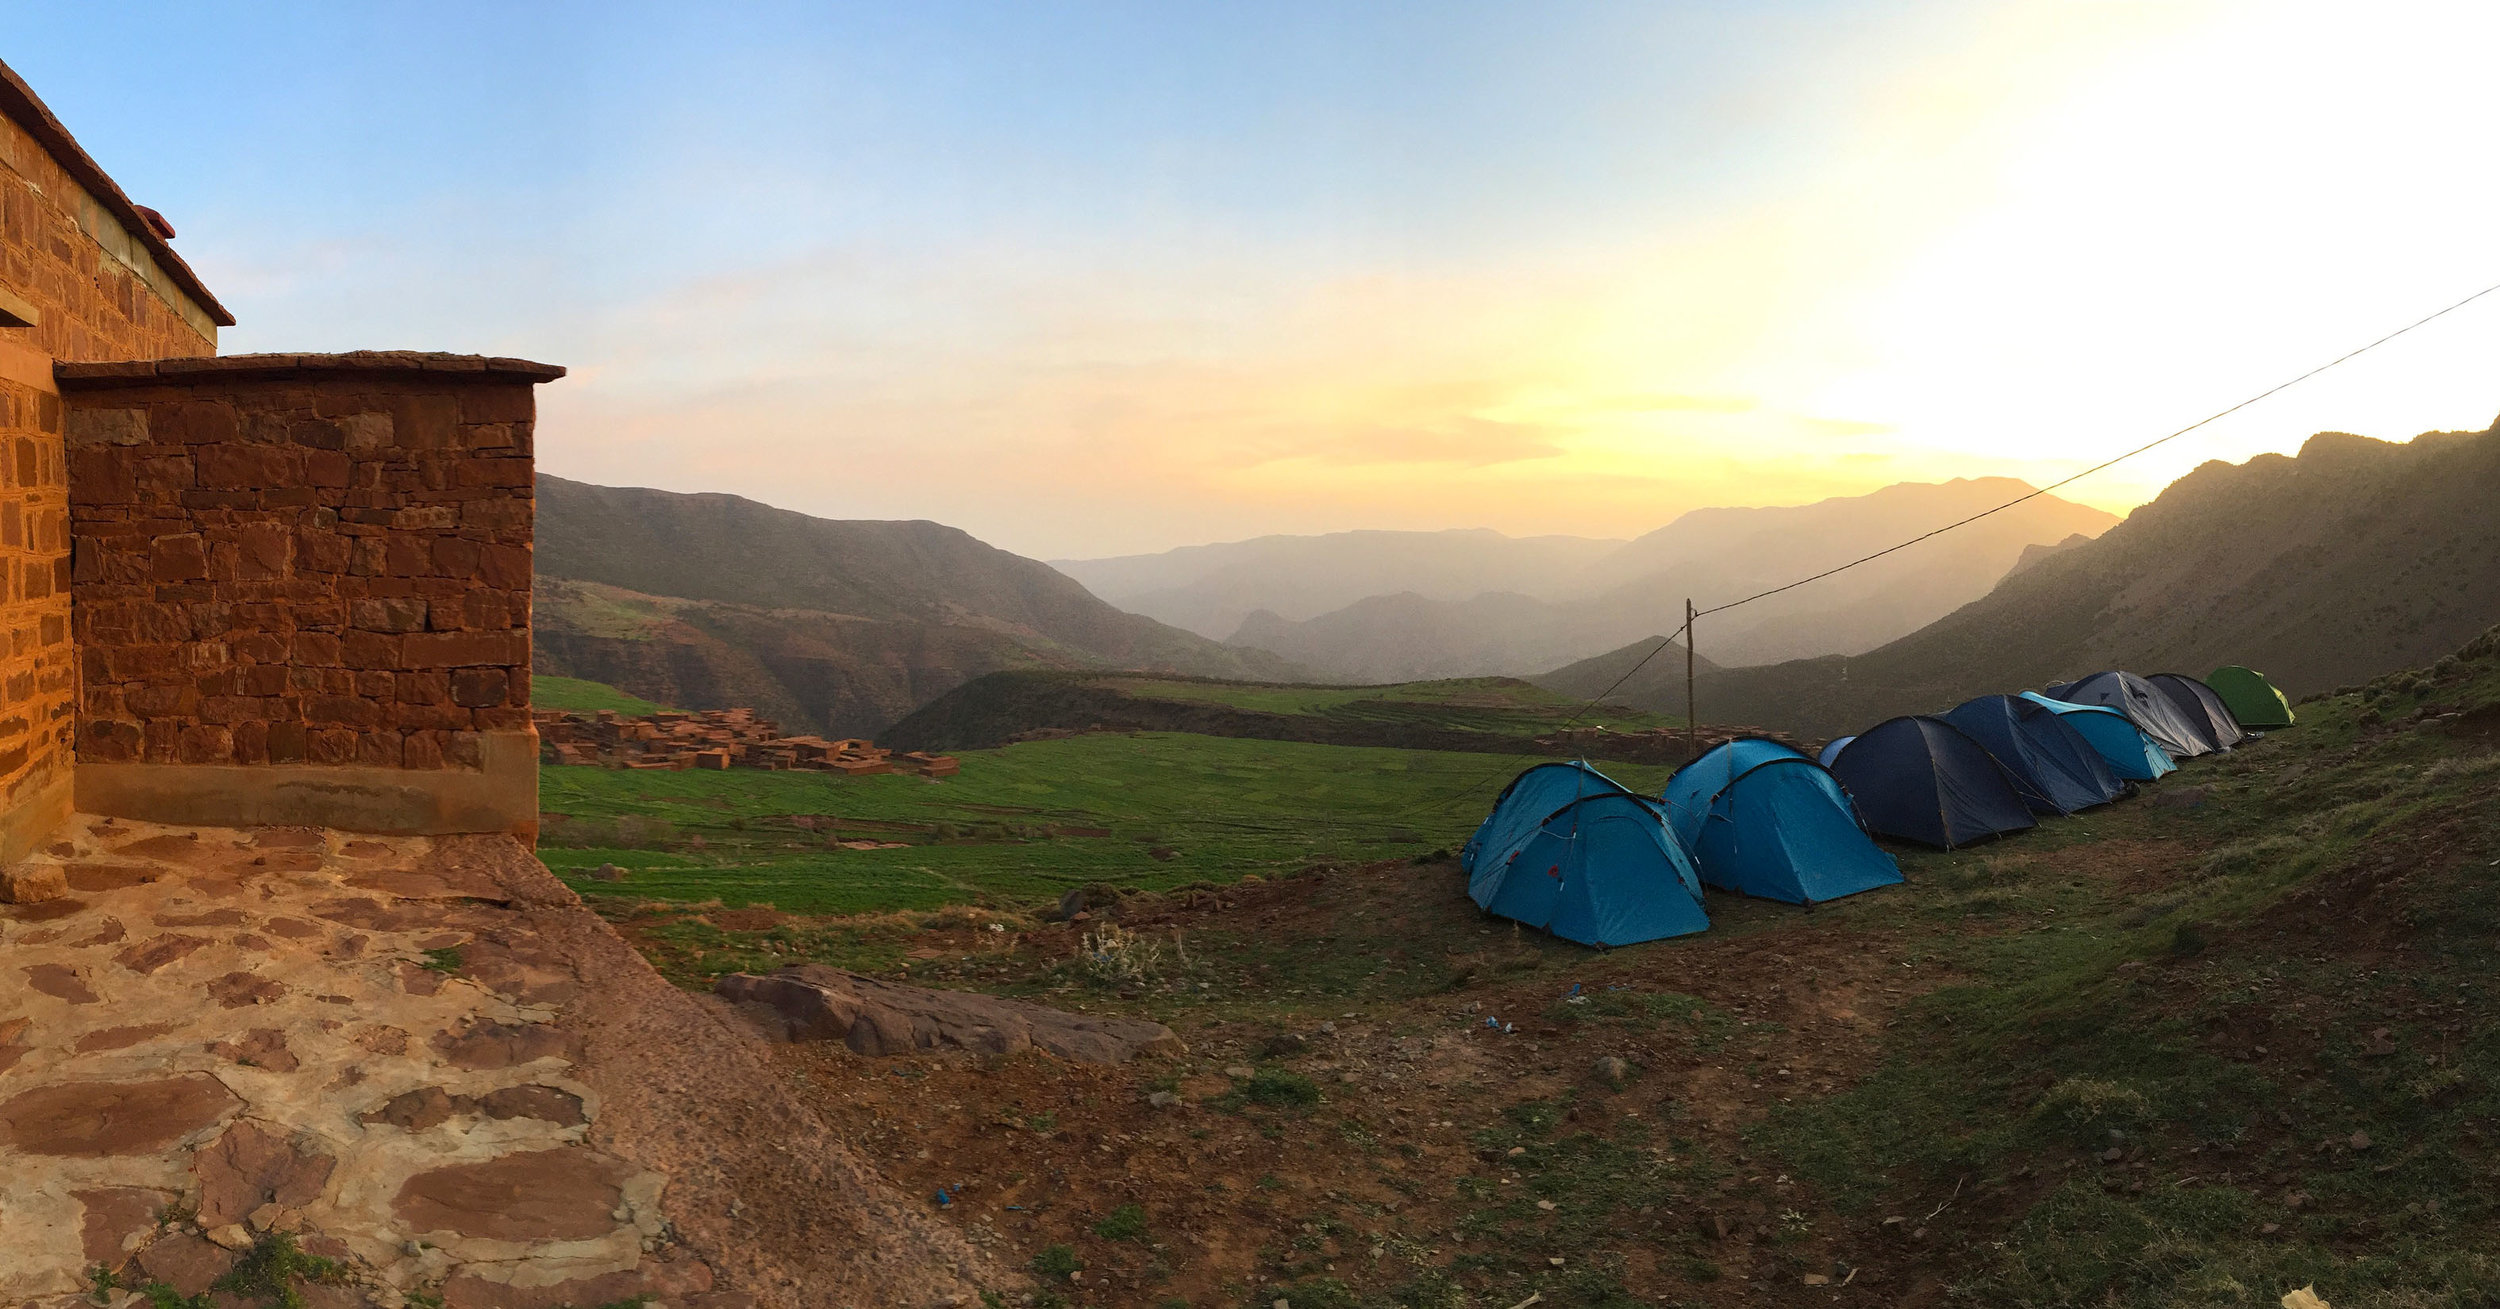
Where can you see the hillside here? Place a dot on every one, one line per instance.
(1210, 589)
(2357, 557)
(711, 601)
(1498, 714)
(1639, 673)
(1709, 556)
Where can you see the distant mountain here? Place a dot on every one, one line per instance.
(709, 601)
(2356, 558)
(1210, 589)
(1710, 556)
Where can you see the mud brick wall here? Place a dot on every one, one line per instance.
(301, 559)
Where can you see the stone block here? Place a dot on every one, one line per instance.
(32, 883)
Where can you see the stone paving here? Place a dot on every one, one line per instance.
(422, 1058)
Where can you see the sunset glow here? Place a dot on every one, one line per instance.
(1166, 276)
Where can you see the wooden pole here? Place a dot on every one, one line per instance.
(1692, 723)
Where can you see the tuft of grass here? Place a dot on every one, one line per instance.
(446, 960)
(1126, 1223)
(1058, 1261)
(274, 1271)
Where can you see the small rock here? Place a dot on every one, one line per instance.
(1283, 1044)
(607, 873)
(1163, 1099)
(32, 883)
(1817, 1279)
(1613, 1071)
(1238, 1070)
(1518, 1150)
(231, 1236)
(1555, 1262)
(2359, 1141)
(2381, 1045)
(2269, 1229)
(1328, 1029)
(1546, 1205)
(2112, 1155)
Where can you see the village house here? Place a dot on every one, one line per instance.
(242, 589)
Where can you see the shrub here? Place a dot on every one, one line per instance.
(1126, 1223)
(1115, 956)
(1058, 1261)
(2090, 1106)
(1281, 1088)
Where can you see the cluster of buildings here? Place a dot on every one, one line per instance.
(715, 738)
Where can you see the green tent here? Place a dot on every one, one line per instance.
(2250, 697)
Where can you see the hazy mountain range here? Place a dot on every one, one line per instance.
(1455, 604)
(710, 601)
(2356, 558)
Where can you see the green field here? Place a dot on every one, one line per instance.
(574, 695)
(1501, 705)
(1019, 825)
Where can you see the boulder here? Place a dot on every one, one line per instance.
(32, 883)
(872, 1017)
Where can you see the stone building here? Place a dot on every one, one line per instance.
(242, 589)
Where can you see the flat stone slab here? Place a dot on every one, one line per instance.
(429, 1061)
(816, 1003)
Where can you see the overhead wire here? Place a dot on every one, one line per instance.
(1687, 629)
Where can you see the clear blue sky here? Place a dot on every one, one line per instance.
(1090, 277)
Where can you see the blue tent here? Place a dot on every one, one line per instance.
(2145, 705)
(2120, 743)
(1764, 820)
(2055, 768)
(1570, 850)
(1832, 749)
(1922, 779)
(2199, 705)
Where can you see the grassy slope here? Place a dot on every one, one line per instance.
(2202, 991)
(1500, 705)
(1019, 824)
(575, 695)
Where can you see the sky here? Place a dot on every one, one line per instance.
(1097, 278)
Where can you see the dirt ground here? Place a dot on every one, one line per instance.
(1432, 1036)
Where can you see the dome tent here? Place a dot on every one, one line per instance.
(2054, 767)
(1764, 820)
(1571, 850)
(1832, 749)
(2145, 705)
(1922, 779)
(2121, 744)
(2198, 703)
(2254, 702)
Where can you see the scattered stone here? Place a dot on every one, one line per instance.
(60, 981)
(262, 1047)
(413, 1111)
(247, 1167)
(2359, 1141)
(231, 1236)
(874, 1017)
(157, 951)
(2381, 1044)
(1239, 1072)
(1284, 1044)
(33, 883)
(110, 1217)
(1163, 1100)
(607, 873)
(537, 1195)
(1613, 1071)
(91, 1119)
(184, 1262)
(239, 989)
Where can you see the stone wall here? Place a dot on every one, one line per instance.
(38, 675)
(302, 564)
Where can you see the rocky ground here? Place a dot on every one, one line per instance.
(246, 1066)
